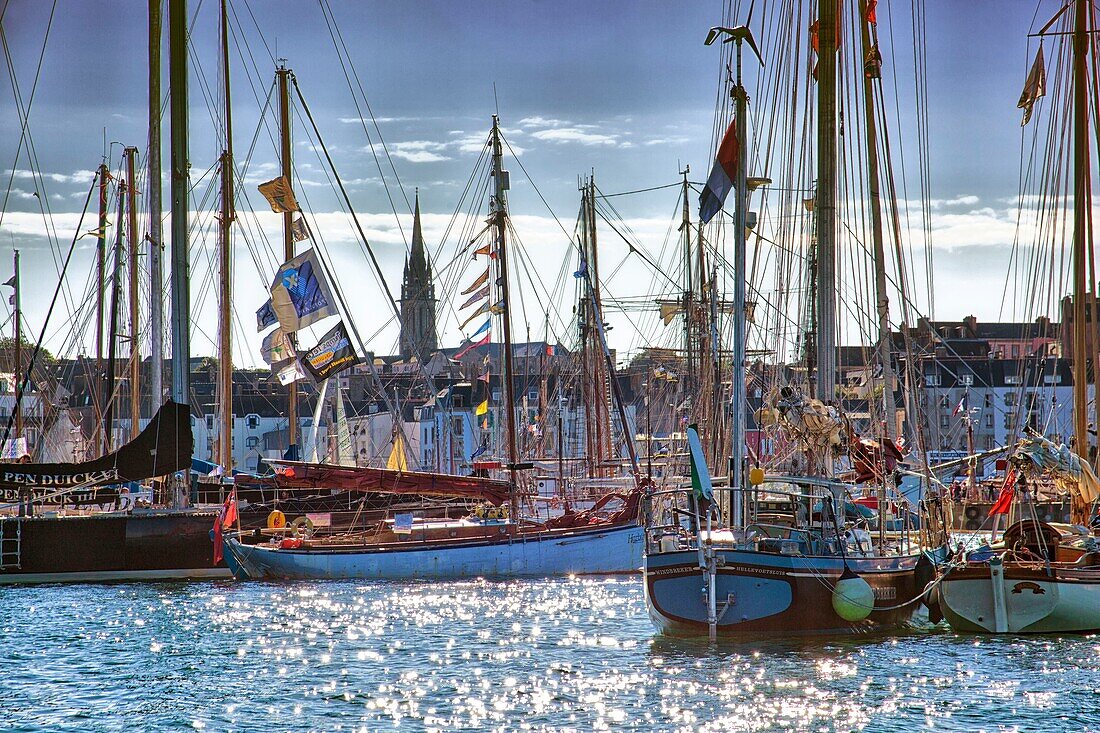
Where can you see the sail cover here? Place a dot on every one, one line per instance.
(297, 475)
(163, 447)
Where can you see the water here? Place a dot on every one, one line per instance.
(548, 655)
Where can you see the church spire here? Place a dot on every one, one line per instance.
(418, 337)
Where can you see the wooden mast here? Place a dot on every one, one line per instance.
(101, 278)
(132, 262)
(288, 240)
(225, 343)
(112, 341)
(500, 216)
(155, 236)
(18, 365)
(1082, 237)
(825, 206)
(882, 298)
(180, 276)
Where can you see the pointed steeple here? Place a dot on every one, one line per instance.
(418, 337)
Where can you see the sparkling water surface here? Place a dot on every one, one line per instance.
(533, 655)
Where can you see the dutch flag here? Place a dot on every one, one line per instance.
(722, 176)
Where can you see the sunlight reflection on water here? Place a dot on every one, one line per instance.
(543, 655)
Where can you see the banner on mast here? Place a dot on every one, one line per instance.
(265, 316)
(722, 176)
(300, 294)
(279, 194)
(332, 355)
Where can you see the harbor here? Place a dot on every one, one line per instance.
(420, 370)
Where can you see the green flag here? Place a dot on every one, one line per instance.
(700, 476)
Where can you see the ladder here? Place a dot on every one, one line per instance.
(11, 543)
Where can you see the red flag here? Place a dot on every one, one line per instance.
(472, 346)
(1004, 499)
(226, 518)
(872, 6)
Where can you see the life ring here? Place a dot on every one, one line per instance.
(302, 527)
(973, 524)
(276, 520)
(972, 512)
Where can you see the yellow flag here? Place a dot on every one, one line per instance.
(482, 408)
(397, 461)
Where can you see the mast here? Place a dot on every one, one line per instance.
(131, 247)
(690, 376)
(225, 342)
(601, 382)
(740, 327)
(180, 277)
(112, 341)
(500, 214)
(1081, 235)
(889, 407)
(825, 206)
(155, 236)
(101, 278)
(18, 315)
(288, 238)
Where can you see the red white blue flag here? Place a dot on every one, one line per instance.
(722, 176)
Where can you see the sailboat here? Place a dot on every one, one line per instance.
(781, 554)
(1044, 578)
(495, 542)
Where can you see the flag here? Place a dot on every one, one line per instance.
(11, 282)
(483, 329)
(1004, 499)
(1034, 87)
(333, 354)
(227, 517)
(482, 250)
(299, 230)
(482, 408)
(722, 176)
(480, 451)
(291, 373)
(477, 283)
(265, 316)
(961, 407)
(484, 377)
(472, 346)
(480, 311)
(300, 294)
(276, 349)
(279, 194)
(700, 475)
(497, 309)
(483, 293)
(549, 349)
(872, 15)
(581, 271)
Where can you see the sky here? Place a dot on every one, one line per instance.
(625, 91)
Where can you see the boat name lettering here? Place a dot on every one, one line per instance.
(887, 593)
(60, 479)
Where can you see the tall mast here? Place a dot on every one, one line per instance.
(825, 206)
(131, 248)
(288, 238)
(225, 343)
(889, 407)
(690, 376)
(602, 383)
(18, 371)
(101, 279)
(112, 340)
(1081, 234)
(156, 235)
(500, 215)
(180, 278)
(740, 327)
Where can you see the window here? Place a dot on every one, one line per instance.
(988, 400)
(1010, 399)
(251, 442)
(943, 401)
(945, 421)
(253, 422)
(967, 379)
(989, 420)
(931, 380)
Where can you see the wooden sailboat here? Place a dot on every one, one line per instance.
(496, 542)
(781, 558)
(1045, 579)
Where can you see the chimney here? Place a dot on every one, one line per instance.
(971, 325)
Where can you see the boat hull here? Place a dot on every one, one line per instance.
(1068, 601)
(771, 594)
(616, 549)
(117, 546)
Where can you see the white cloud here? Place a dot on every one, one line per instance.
(575, 135)
(79, 176)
